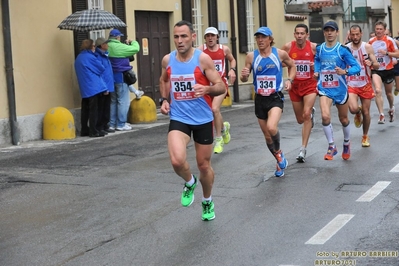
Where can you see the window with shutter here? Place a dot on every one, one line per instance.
(242, 26)
(78, 37)
(197, 22)
(186, 7)
(96, 4)
(119, 9)
(245, 26)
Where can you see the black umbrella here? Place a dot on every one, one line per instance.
(91, 19)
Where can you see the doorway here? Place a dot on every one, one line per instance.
(153, 34)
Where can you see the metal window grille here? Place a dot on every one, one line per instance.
(197, 22)
(250, 25)
(96, 4)
(355, 10)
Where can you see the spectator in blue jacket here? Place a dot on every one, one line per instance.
(119, 54)
(88, 71)
(104, 102)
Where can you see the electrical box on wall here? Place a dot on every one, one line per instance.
(223, 33)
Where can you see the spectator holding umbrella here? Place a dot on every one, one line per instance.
(88, 71)
(119, 54)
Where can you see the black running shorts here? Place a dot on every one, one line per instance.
(202, 134)
(263, 104)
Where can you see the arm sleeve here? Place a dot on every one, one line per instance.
(123, 50)
(317, 60)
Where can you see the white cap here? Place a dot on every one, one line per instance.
(211, 30)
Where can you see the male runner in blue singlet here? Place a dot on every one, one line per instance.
(186, 77)
(330, 69)
(266, 64)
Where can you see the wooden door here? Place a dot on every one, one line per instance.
(153, 34)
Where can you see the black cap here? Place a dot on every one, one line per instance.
(330, 24)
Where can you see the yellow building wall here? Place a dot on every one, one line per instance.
(3, 86)
(395, 17)
(42, 56)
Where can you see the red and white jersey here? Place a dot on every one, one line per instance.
(387, 44)
(363, 77)
(303, 58)
(218, 58)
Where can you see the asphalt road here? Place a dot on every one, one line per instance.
(116, 200)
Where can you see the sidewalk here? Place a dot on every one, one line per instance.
(161, 120)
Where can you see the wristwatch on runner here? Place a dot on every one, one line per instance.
(161, 100)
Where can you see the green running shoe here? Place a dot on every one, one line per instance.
(208, 210)
(226, 132)
(218, 148)
(187, 197)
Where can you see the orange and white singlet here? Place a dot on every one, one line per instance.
(386, 43)
(363, 78)
(303, 58)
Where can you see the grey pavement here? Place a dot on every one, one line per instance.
(116, 200)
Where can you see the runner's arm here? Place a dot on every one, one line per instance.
(164, 85)
(208, 66)
(286, 47)
(232, 64)
(373, 63)
(247, 67)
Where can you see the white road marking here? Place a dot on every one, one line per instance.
(374, 191)
(395, 169)
(330, 229)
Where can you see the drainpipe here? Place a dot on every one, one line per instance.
(390, 19)
(262, 13)
(5, 7)
(234, 50)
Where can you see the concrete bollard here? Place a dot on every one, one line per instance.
(142, 111)
(58, 124)
(227, 101)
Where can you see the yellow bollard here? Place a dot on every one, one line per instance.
(227, 101)
(142, 111)
(58, 124)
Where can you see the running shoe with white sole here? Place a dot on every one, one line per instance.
(391, 114)
(208, 211)
(226, 133)
(301, 156)
(346, 153)
(279, 172)
(282, 162)
(381, 120)
(365, 141)
(218, 148)
(331, 152)
(125, 127)
(187, 196)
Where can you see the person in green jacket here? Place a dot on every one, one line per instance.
(119, 54)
